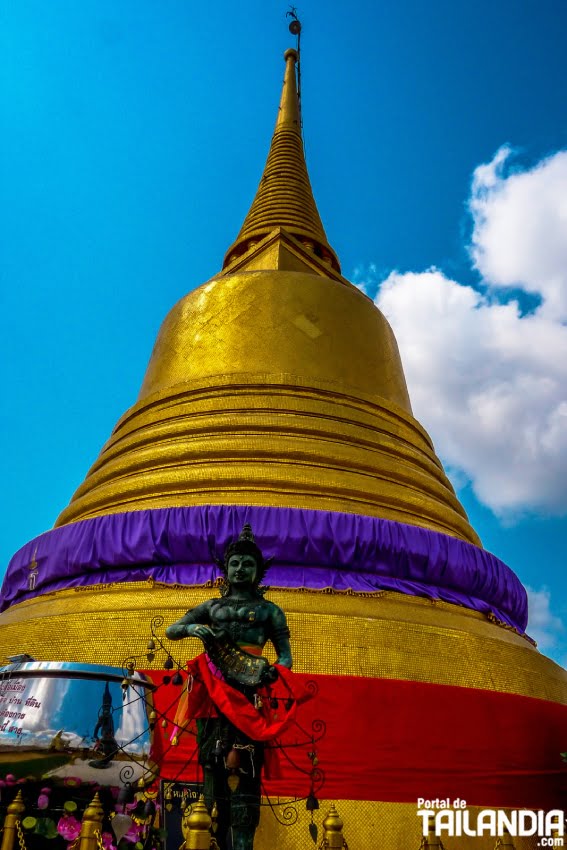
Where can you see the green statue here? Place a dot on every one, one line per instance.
(231, 689)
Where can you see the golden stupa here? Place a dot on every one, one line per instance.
(278, 386)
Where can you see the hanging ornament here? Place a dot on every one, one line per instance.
(177, 679)
(233, 760)
(151, 645)
(168, 798)
(168, 664)
(120, 824)
(214, 818)
(125, 794)
(311, 803)
(233, 766)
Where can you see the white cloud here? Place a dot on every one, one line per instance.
(543, 625)
(520, 228)
(488, 383)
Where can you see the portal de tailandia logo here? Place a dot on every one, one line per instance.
(451, 818)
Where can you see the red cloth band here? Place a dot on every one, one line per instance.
(395, 741)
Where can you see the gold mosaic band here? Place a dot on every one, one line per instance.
(386, 635)
(369, 825)
(304, 447)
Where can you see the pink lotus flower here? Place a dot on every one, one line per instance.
(69, 827)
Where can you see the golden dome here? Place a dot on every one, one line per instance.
(277, 383)
(273, 388)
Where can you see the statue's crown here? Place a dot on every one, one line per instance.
(246, 533)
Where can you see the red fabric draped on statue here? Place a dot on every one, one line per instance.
(396, 741)
(208, 693)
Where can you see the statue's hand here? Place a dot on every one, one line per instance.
(270, 676)
(200, 631)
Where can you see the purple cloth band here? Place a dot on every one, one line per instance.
(311, 549)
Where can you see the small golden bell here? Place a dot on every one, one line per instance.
(233, 781)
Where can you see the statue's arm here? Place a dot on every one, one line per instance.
(280, 637)
(195, 623)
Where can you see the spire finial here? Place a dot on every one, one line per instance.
(289, 113)
(284, 198)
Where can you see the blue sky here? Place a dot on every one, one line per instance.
(132, 138)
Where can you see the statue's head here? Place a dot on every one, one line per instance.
(241, 555)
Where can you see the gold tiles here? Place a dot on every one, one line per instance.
(388, 635)
(281, 389)
(369, 825)
(250, 323)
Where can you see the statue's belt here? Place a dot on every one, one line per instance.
(235, 663)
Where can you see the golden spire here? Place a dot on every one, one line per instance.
(284, 198)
